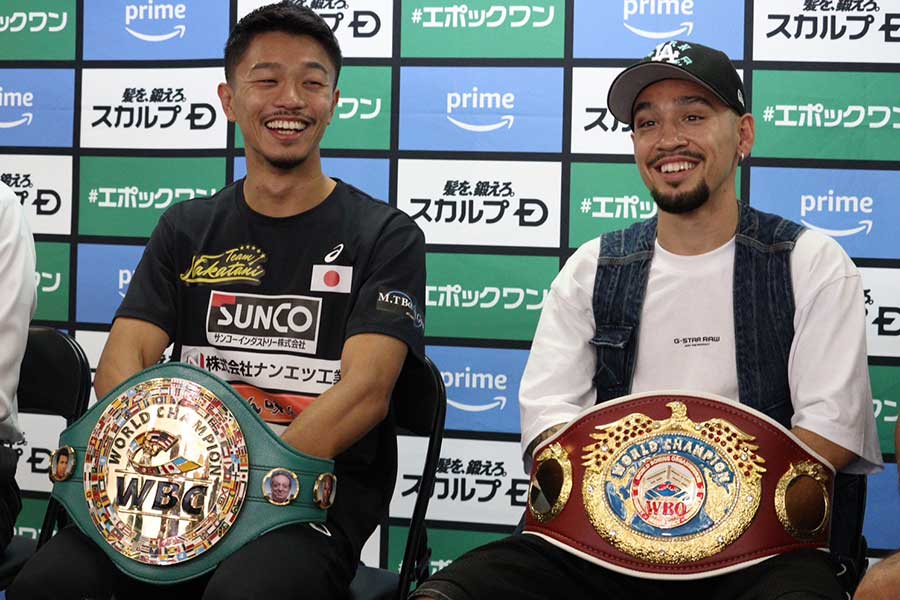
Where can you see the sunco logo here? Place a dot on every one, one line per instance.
(658, 8)
(830, 203)
(16, 100)
(475, 381)
(242, 264)
(253, 315)
(155, 12)
(477, 100)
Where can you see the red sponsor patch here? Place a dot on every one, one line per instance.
(274, 408)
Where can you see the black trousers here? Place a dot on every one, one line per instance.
(10, 500)
(293, 562)
(526, 567)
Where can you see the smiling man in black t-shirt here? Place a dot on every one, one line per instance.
(301, 291)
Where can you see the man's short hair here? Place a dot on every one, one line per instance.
(286, 17)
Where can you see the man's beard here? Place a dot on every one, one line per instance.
(285, 164)
(681, 202)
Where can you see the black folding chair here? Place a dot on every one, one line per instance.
(55, 379)
(421, 406)
(848, 545)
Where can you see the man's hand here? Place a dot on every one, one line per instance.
(370, 365)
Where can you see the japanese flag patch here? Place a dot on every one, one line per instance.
(331, 278)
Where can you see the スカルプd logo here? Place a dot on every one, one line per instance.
(243, 264)
(855, 30)
(287, 323)
(401, 303)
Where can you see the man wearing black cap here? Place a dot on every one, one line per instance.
(711, 296)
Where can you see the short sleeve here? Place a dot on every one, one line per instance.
(391, 299)
(152, 293)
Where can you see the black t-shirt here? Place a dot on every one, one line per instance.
(267, 303)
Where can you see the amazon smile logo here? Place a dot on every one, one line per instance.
(657, 8)
(837, 204)
(476, 100)
(14, 99)
(467, 380)
(155, 12)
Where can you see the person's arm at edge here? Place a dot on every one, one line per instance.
(132, 345)
(882, 581)
(838, 456)
(17, 257)
(557, 382)
(831, 391)
(370, 365)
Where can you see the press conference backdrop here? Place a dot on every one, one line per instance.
(484, 120)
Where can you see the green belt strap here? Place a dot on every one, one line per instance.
(256, 516)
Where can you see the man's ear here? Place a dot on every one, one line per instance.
(226, 95)
(746, 134)
(335, 98)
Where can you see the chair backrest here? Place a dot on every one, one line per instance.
(421, 408)
(55, 378)
(848, 546)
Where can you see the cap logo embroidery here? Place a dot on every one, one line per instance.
(670, 52)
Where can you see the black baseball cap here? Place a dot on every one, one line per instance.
(676, 59)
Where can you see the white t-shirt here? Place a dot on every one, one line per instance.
(686, 341)
(17, 304)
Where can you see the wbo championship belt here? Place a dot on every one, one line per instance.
(173, 471)
(676, 485)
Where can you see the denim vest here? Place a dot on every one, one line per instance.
(763, 328)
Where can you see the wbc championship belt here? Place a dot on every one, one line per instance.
(173, 471)
(676, 485)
